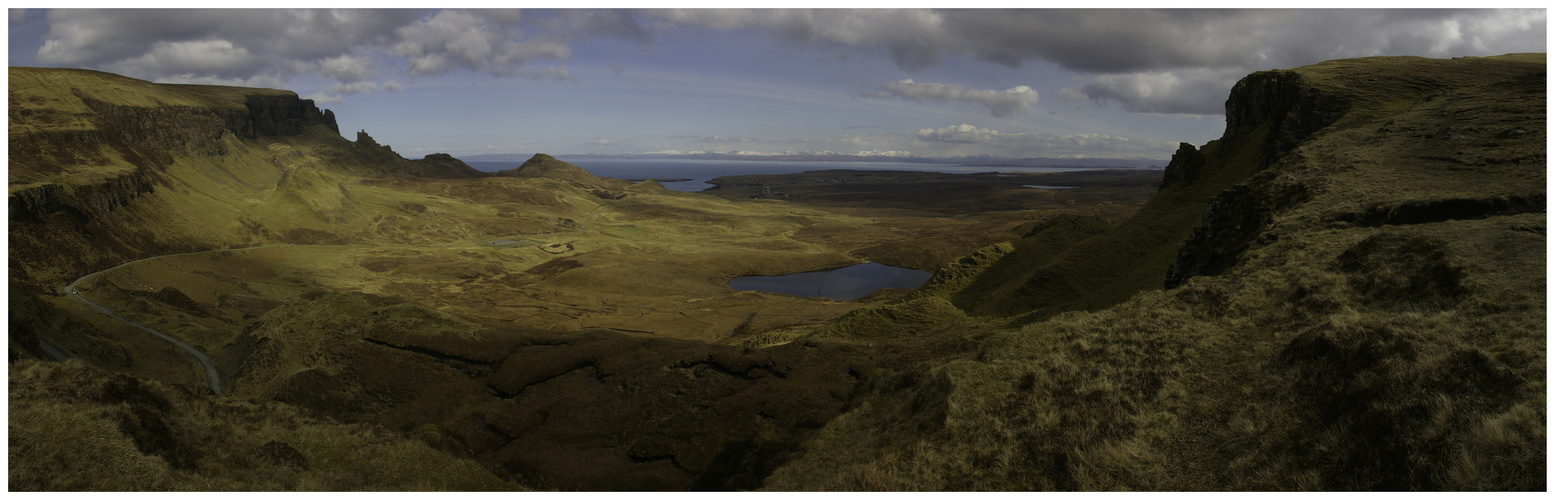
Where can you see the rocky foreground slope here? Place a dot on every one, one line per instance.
(1358, 305)
(1344, 292)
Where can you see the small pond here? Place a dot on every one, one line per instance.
(843, 284)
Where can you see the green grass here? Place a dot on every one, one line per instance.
(1387, 331)
(74, 428)
(1404, 353)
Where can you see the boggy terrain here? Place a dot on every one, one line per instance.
(1345, 291)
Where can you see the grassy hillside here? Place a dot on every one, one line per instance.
(1360, 307)
(72, 428)
(334, 279)
(1344, 292)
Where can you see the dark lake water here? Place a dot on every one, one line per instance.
(843, 284)
(701, 171)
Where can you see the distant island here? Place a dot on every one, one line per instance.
(891, 156)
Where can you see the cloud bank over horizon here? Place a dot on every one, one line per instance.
(1001, 103)
(939, 66)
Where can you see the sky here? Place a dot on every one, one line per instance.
(1022, 83)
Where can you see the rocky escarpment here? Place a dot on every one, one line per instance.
(1279, 100)
(87, 143)
(1187, 165)
(150, 136)
(35, 202)
(170, 128)
(1231, 223)
(1285, 108)
(279, 116)
(1279, 110)
(1358, 303)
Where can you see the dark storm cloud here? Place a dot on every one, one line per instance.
(1139, 59)
(1105, 41)
(1102, 41)
(274, 44)
(912, 37)
(245, 42)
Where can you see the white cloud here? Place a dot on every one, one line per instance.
(392, 87)
(343, 89)
(715, 139)
(323, 98)
(1002, 103)
(283, 42)
(1153, 50)
(1132, 57)
(458, 40)
(970, 139)
(962, 133)
(217, 58)
(346, 68)
(1195, 91)
(339, 44)
(913, 37)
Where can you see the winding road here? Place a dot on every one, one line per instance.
(213, 376)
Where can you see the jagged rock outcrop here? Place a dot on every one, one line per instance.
(284, 115)
(1233, 219)
(1355, 301)
(35, 202)
(85, 144)
(1186, 166)
(1286, 108)
(1282, 101)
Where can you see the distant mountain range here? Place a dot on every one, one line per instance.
(978, 160)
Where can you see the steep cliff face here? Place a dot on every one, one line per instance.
(86, 145)
(1450, 132)
(1283, 102)
(1187, 165)
(1356, 301)
(1231, 222)
(281, 115)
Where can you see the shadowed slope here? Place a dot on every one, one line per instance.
(1360, 308)
(73, 428)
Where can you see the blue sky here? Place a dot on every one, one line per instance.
(1015, 83)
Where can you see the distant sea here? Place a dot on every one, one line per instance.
(701, 171)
